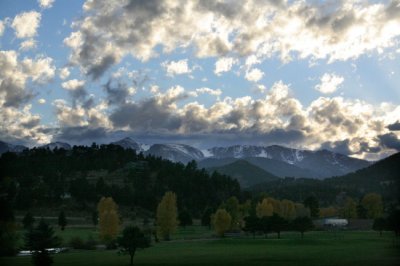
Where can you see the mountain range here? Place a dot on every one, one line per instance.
(249, 164)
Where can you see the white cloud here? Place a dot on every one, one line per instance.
(28, 44)
(176, 67)
(329, 83)
(41, 101)
(15, 74)
(46, 3)
(224, 64)
(26, 24)
(280, 29)
(2, 27)
(254, 75)
(73, 84)
(213, 92)
(64, 73)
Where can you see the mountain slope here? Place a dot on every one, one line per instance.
(322, 163)
(57, 144)
(5, 147)
(175, 152)
(246, 173)
(383, 177)
(128, 143)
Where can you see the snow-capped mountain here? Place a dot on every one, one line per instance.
(323, 162)
(128, 143)
(5, 147)
(58, 145)
(176, 152)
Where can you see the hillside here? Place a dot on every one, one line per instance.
(382, 177)
(246, 173)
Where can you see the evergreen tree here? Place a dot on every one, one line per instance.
(302, 224)
(62, 220)
(373, 204)
(185, 218)
(206, 218)
(28, 221)
(312, 203)
(39, 239)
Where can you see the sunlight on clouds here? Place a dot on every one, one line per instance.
(329, 83)
(26, 24)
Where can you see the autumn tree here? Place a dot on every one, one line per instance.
(167, 213)
(288, 210)
(132, 239)
(349, 209)
(231, 205)
(373, 204)
(328, 212)
(264, 208)
(62, 220)
(108, 218)
(221, 221)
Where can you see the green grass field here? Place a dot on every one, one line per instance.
(317, 248)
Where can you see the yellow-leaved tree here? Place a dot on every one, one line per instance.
(349, 209)
(372, 202)
(167, 214)
(108, 218)
(264, 208)
(221, 221)
(288, 210)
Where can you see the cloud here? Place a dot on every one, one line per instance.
(73, 84)
(41, 101)
(209, 91)
(224, 64)
(19, 125)
(329, 83)
(111, 30)
(81, 134)
(15, 74)
(2, 27)
(64, 73)
(390, 140)
(28, 45)
(395, 126)
(26, 24)
(254, 75)
(46, 3)
(176, 67)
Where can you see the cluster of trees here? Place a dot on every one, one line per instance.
(267, 215)
(370, 206)
(45, 178)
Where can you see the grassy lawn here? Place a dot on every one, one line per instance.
(318, 248)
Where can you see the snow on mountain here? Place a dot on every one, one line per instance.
(323, 162)
(176, 152)
(128, 143)
(5, 147)
(57, 144)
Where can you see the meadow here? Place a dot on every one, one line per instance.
(195, 245)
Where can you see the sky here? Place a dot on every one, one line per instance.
(303, 74)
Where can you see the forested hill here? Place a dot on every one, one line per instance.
(84, 174)
(383, 177)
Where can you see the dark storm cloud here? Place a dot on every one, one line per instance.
(395, 126)
(117, 92)
(146, 115)
(15, 96)
(97, 70)
(390, 141)
(80, 134)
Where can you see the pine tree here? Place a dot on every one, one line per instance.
(62, 220)
(28, 221)
(167, 213)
